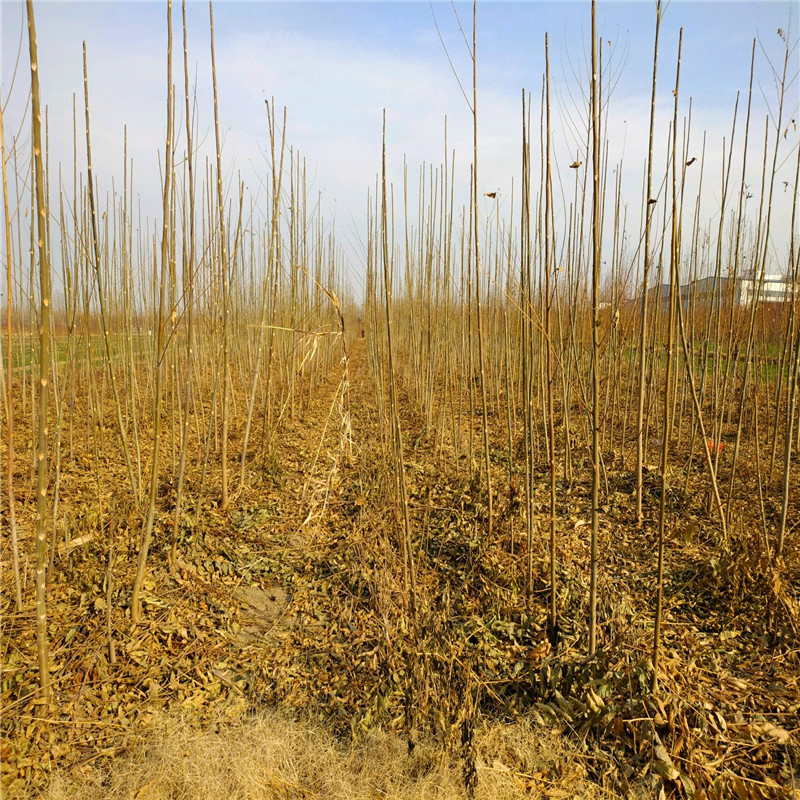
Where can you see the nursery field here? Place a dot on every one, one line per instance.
(519, 517)
(292, 604)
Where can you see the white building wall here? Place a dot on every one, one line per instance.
(775, 289)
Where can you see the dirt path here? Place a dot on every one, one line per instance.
(289, 538)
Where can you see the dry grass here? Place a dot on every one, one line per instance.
(273, 756)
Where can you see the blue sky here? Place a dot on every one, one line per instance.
(335, 66)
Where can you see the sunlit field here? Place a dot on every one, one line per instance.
(508, 506)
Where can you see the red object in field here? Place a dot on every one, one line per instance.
(712, 445)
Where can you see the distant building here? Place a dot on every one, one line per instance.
(706, 290)
(774, 289)
(661, 293)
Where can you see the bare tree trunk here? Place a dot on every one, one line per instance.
(409, 573)
(44, 367)
(147, 533)
(794, 375)
(552, 620)
(226, 311)
(674, 297)
(596, 258)
(188, 276)
(649, 207)
(12, 519)
(478, 304)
